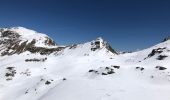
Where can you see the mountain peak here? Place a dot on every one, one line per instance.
(99, 38)
(20, 39)
(24, 34)
(21, 31)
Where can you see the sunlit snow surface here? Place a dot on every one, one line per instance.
(65, 75)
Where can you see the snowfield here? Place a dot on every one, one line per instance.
(79, 73)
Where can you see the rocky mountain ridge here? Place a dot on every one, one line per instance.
(17, 40)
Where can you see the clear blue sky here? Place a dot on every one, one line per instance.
(125, 24)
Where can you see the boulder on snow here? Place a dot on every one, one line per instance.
(94, 71)
(156, 51)
(161, 57)
(103, 71)
(140, 68)
(115, 66)
(10, 73)
(64, 79)
(47, 82)
(161, 68)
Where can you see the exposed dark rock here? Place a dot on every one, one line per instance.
(155, 51)
(10, 68)
(73, 46)
(9, 34)
(36, 60)
(26, 91)
(49, 42)
(10, 73)
(44, 51)
(93, 49)
(110, 72)
(94, 71)
(64, 79)
(140, 68)
(161, 57)
(103, 71)
(168, 38)
(110, 49)
(47, 82)
(104, 74)
(161, 68)
(91, 70)
(116, 66)
(13, 44)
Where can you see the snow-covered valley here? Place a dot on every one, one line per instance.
(34, 67)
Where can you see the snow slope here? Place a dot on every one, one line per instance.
(78, 73)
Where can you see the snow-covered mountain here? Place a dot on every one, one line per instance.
(34, 67)
(18, 40)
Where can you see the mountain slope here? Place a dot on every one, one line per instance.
(19, 39)
(88, 71)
